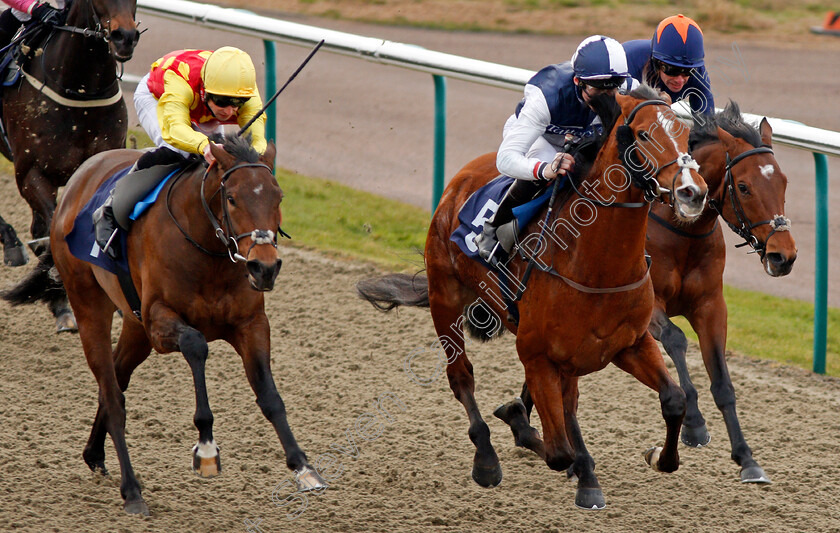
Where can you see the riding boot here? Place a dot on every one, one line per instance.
(105, 228)
(520, 191)
(128, 191)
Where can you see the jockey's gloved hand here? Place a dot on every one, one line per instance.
(46, 14)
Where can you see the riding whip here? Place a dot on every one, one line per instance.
(271, 100)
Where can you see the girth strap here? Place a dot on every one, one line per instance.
(130, 292)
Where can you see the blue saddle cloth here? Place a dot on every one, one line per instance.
(81, 239)
(482, 205)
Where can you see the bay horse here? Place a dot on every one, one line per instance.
(589, 303)
(194, 285)
(67, 107)
(747, 190)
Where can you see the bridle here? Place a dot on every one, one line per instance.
(744, 230)
(646, 181)
(223, 229)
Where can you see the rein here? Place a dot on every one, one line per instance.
(777, 223)
(104, 97)
(226, 235)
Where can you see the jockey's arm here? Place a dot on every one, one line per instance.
(173, 111)
(22, 5)
(257, 129)
(533, 118)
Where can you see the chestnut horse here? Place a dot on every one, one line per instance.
(195, 284)
(589, 302)
(67, 107)
(747, 189)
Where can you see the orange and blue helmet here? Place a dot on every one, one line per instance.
(678, 41)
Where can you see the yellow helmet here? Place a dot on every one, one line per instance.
(229, 72)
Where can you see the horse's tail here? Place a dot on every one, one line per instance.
(387, 292)
(42, 284)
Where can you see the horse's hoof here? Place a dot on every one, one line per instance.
(206, 460)
(507, 411)
(137, 507)
(652, 457)
(591, 499)
(754, 474)
(39, 246)
(15, 256)
(695, 437)
(308, 479)
(487, 477)
(66, 321)
(98, 468)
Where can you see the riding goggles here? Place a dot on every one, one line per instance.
(227, 101)
(605, 84)
(673, 70)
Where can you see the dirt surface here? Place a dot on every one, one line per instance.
(333, 356)
(371, 126)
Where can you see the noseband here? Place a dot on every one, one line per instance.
(777, 223)
(227, 235)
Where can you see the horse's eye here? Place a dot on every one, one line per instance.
(743, 188)
(643, 135)
(230, 200)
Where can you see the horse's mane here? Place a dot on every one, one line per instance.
(730, 120)
(238, 146)
(608, 110)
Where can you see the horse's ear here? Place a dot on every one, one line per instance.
(766, 132)
(222, 156)
(268, 156)
(727, 139)
(665, 97)
(626, 102)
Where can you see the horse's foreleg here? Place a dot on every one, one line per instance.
(253, 345)
(132, 349)
(694, 432)
(589, 494)
(545, 385)
(710, 324)
(644, 362)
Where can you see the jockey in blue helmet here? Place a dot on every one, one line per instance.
(555, 110)
(672, 61)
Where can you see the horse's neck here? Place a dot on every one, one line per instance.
(76, 62)
(599, 231)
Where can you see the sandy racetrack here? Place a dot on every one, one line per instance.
(333, 356)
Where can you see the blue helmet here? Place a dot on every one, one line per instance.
(600, 58)
(678, 41)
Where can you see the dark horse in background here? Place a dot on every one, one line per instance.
(589, 309)
(747, 189)
(207, 287)
(66, 107)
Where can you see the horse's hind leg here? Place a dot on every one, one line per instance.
(14, 254)
(447, 315)
(132, 349)
(516, 414)
(253, 345)
(694, 432)
(710, 324)
(644, 362)
(95, 312)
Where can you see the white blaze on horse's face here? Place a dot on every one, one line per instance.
(687, 194)
(258, 189)
(766, 171)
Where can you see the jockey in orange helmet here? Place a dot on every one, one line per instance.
(672, 61)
